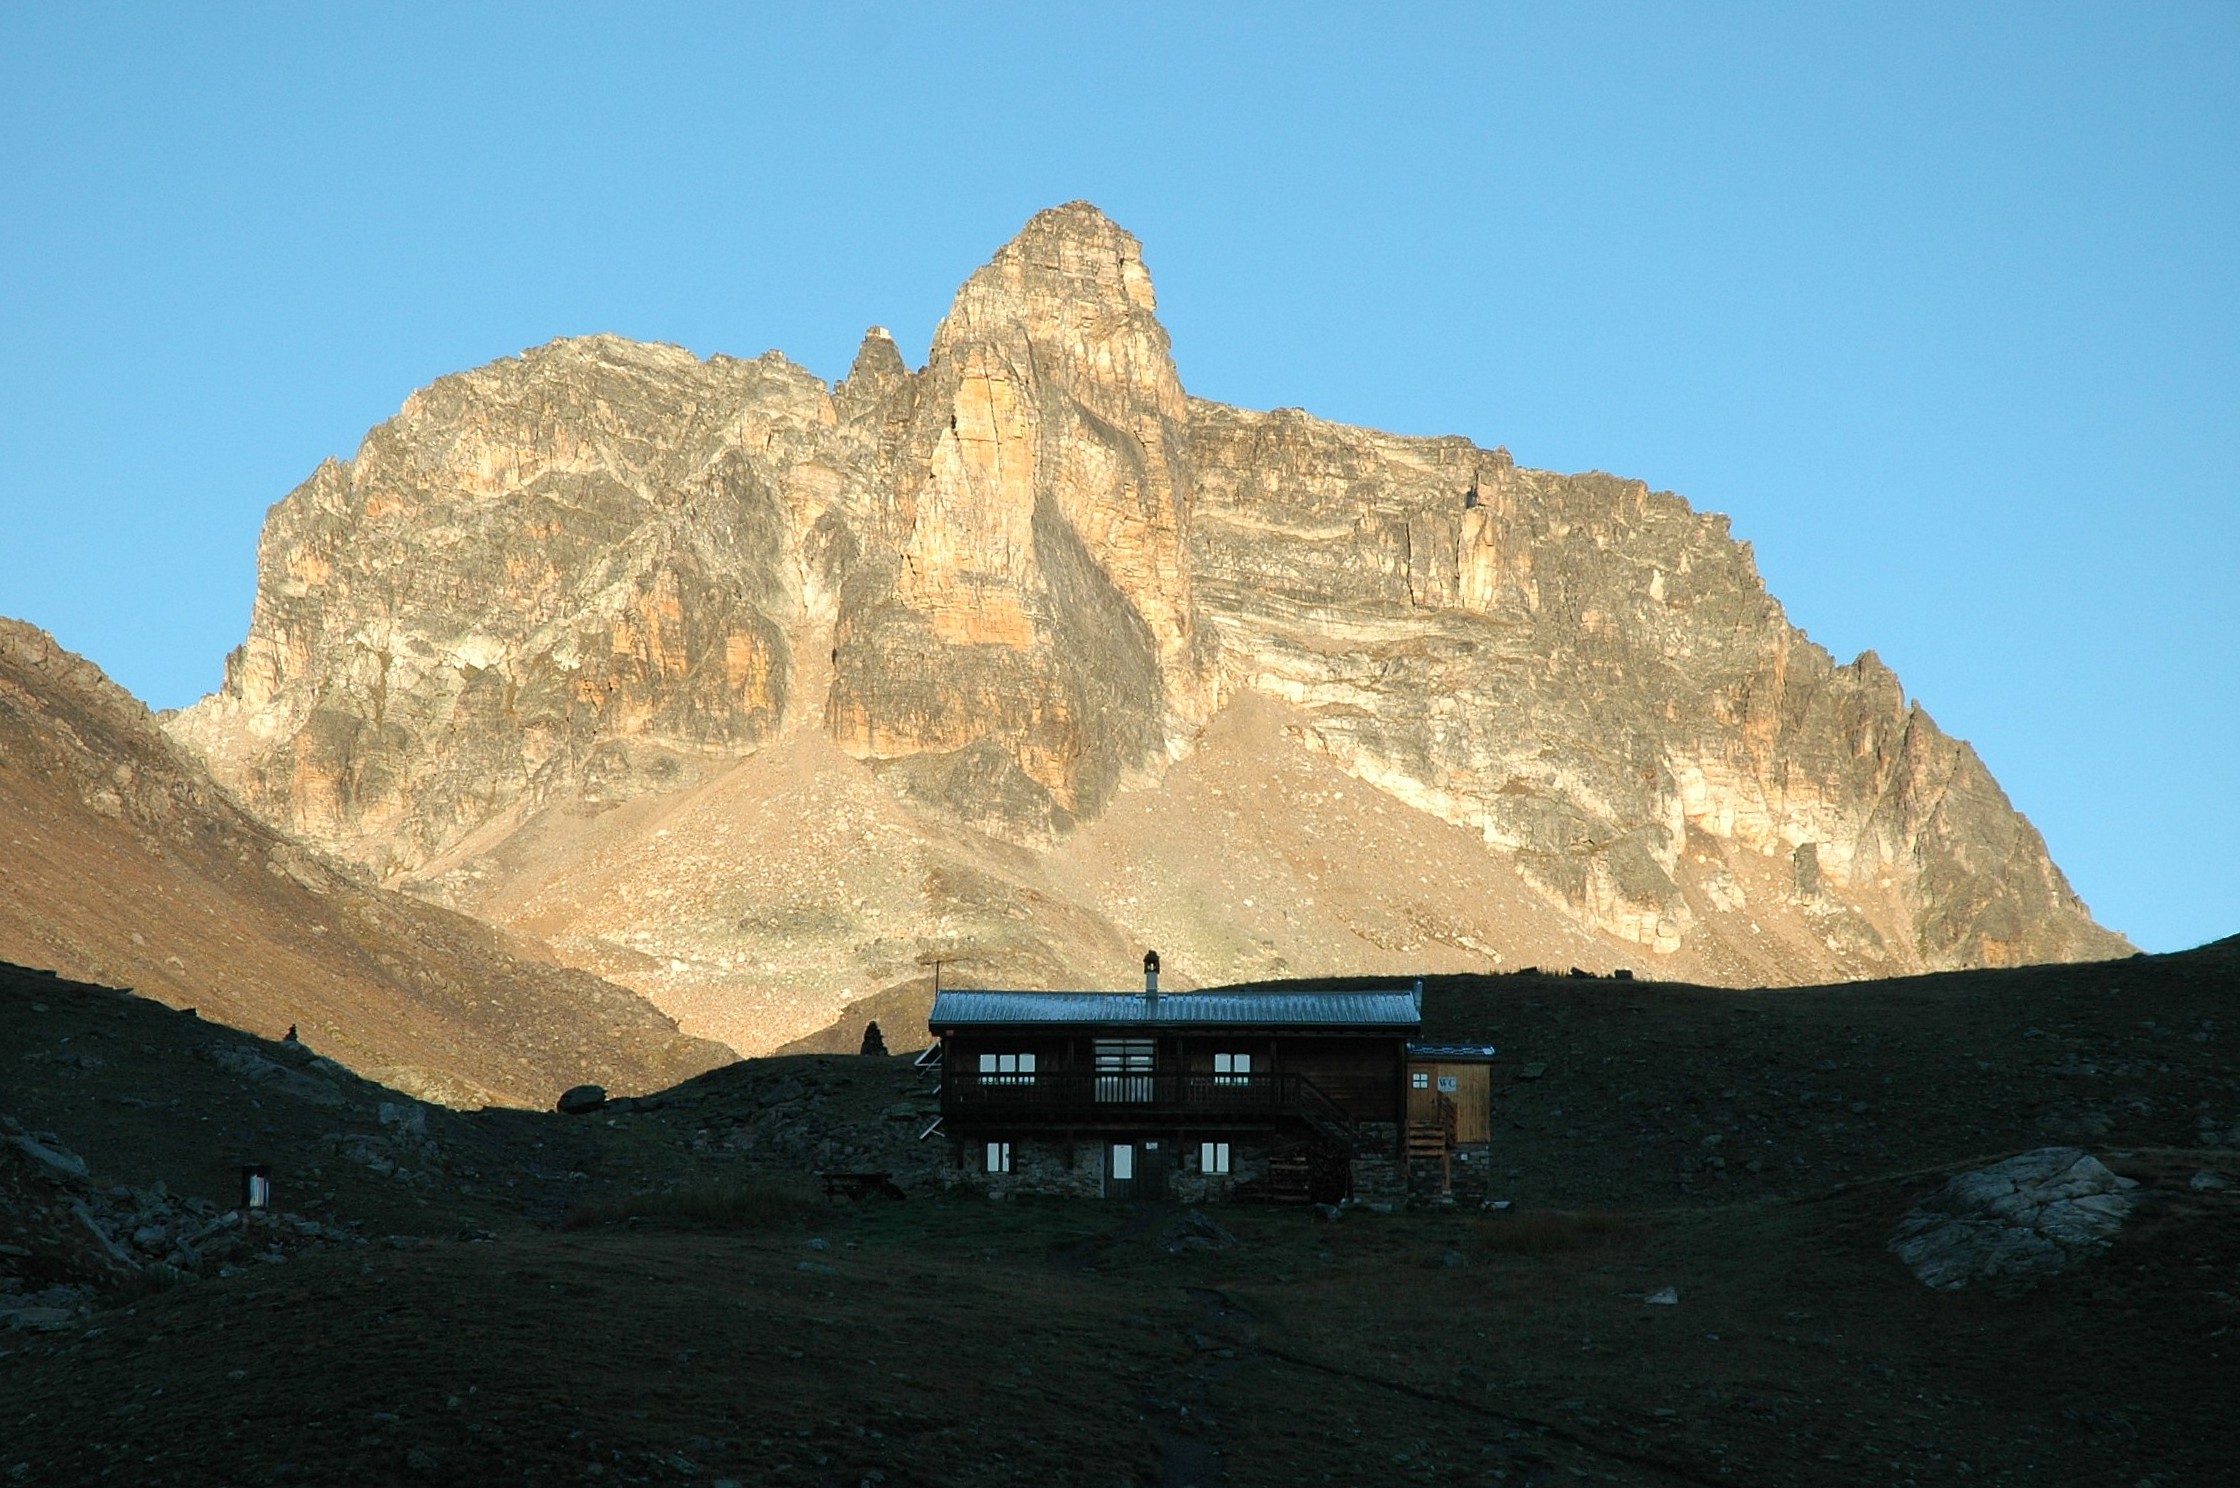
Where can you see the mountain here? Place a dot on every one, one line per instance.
(121, 862)
(762, 695)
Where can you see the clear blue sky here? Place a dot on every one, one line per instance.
(1937, 302)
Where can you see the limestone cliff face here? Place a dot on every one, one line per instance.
(1025, 578)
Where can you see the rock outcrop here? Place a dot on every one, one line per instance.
(1005, 591)
(71, 1237)
(2015, 1221)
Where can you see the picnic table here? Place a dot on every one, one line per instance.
(861, 1186)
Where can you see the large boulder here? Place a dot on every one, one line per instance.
(55, 1159)
(2017, 1220)
(581, 1100)
(1194, 1231)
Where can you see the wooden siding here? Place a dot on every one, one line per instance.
(1472, 1097)
(1360, 1074)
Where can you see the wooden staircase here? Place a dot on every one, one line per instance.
(1303, 1172)
(1432, 1141)
(1290, 1180)
(1426, 1139)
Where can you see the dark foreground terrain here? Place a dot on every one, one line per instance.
(653, 1293)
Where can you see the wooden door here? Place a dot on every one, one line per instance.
(1120, 1170)
(1154, 1160)
(1423, 1096)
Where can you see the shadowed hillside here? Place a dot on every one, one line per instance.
(656, 1290)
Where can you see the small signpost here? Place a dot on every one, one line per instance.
(256, 1190)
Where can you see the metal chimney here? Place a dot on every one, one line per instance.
(1151, 973)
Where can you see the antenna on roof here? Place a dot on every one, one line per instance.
(1151, 973)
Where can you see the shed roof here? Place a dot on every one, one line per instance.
(1385, 1010)
(1452, 1053)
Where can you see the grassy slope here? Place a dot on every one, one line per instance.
(953, 1340)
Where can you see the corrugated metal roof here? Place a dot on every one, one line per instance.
(1460, 1053)
(1179, 1009)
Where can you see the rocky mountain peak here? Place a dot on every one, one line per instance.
(1077, 253)
(1072, 285)
(877, 371)
(1003, 592)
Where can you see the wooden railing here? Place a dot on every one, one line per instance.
(1432, 1133)
(1086, 1096)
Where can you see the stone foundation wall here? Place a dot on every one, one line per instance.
(1248, 1163)
(1076, 1169)
(1465, 1178)
(1379, 1175)
(1054, 1168)
(1057, 1168)
(1473, 1172)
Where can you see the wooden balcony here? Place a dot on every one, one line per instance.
(1084, 1099)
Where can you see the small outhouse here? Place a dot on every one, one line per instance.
(1450, 1112)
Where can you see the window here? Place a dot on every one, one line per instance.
(1007, 1069)
(1232, 1069)
(1419, 1080)
(1213, 1157)
(999, 1157)
(1124, 1069)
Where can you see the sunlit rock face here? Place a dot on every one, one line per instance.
(1019, 638)
(1593, 676)
(1020, 582)
(565, 571)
